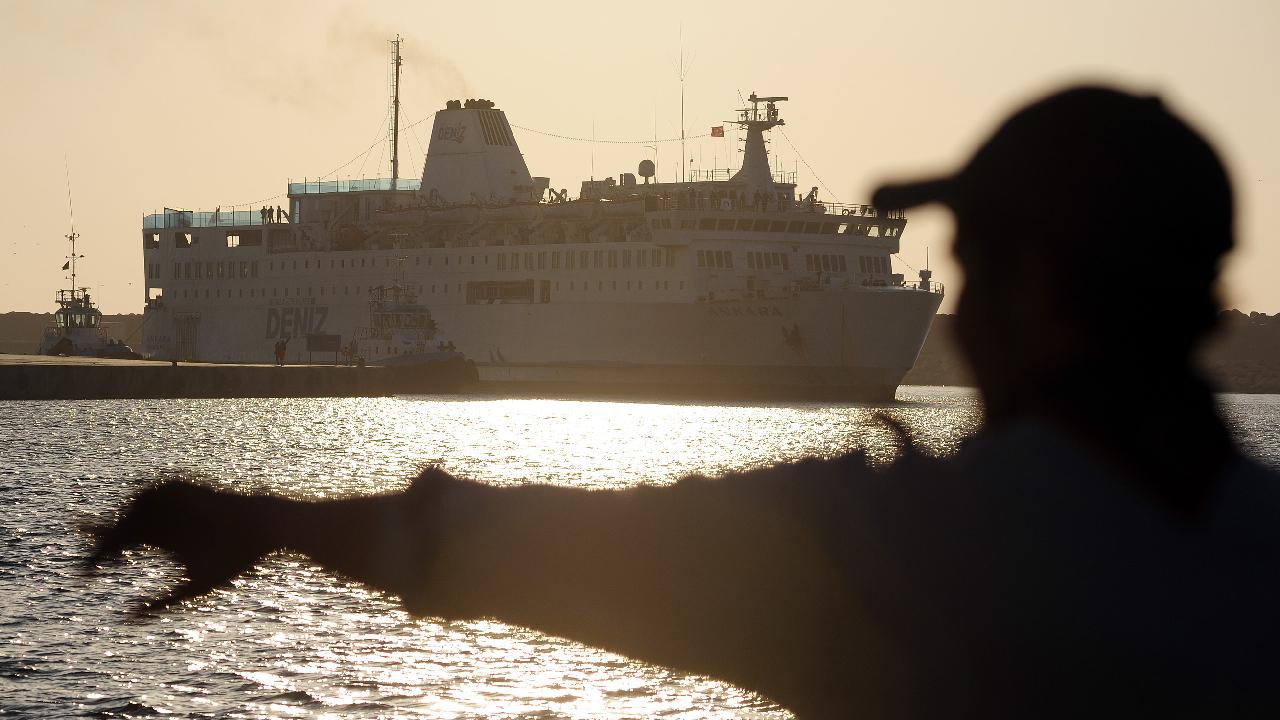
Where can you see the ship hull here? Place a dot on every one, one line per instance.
(853, 344)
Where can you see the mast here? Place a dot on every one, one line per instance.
(395, 114)
(72, 237)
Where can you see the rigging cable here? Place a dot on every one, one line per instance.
(808, 166)
(647, 141)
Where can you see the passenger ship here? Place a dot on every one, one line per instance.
(734, 286)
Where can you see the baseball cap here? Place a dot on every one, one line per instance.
(1091, 163)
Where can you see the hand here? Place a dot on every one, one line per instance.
(214, 535)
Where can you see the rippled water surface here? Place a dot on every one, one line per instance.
(291, 640)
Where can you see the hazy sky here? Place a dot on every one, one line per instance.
(216, 104)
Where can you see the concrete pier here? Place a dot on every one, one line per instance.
(36, 377)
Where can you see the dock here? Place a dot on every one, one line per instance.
(37, 377)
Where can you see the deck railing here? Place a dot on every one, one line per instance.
(703, 204)
(315, 187)
(170, 218)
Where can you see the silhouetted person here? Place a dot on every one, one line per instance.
(1100, 548)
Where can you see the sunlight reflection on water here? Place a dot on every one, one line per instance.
(290, 640)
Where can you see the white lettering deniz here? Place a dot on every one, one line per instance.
(287, 322)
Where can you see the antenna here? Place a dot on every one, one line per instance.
(395, 112)
(682, 74)
(72, 211)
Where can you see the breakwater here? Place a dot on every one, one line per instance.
(25, 377)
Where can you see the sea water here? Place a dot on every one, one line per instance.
(292, 640)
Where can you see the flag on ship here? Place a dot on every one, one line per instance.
(66, 265)
(717, 131)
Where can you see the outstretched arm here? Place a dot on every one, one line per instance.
(736, 578)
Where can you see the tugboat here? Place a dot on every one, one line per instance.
(401, 330)
(77, 324)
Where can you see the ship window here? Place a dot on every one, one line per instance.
(502, 261)
(826, 262)
(151, 240)
(843, 229)
(874, 231)
(613, 258)
(626, 258)
(862, 263)
(707, 224)
(828, 228)
(778, 226)
(653, 223)
(795, 226)
(702, 259)
(542, 261)
(582, 259)
(751, 261)
(233, 240)
(760, 225)
(555, 260)
(597, 257)
(221, 270)
(687, 223)
(840, 261)
(253, 269)
(786, 265)
(568, 260)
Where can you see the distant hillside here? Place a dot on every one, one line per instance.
(20, 331)
(1243, 356)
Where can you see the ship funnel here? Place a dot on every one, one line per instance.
(473, 157)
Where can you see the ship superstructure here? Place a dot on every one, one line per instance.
(737, 284)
